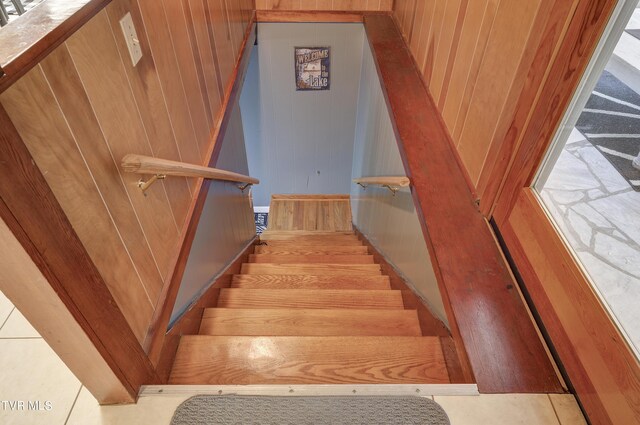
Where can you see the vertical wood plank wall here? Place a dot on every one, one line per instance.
(475, 57)
(324, 5)
(167, 106)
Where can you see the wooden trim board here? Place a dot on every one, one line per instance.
(473, 278)
(308, 16)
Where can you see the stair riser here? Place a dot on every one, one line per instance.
(303, 322)
(328, 250)
(317, 259)
(299, 298)
(315, 269)
(249, 281)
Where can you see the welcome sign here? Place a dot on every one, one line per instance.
(312, 68)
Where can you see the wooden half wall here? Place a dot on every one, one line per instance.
(478, 59)
(72, 112)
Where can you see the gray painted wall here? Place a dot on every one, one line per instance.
(389, 222)
(226, 225)
(303, 141)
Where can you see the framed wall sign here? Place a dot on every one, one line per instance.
(313, 68)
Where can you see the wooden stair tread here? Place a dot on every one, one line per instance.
(310, 298)
(289, 281)
(311, 268)
(326, 258)
(309, 322)
(245, 360)
(312, 250)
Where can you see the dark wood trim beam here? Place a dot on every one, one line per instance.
(155, 338)
(310, 16)
(32, 213)
(486, 310)
(27, 40)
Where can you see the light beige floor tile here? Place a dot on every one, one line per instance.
(17, 326)
(499, 409)
(32, 372)
(567, 409)
(148, 411)
(5, 308)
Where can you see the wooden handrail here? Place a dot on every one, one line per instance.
(160, 168)
(384, 181)
(393, 183)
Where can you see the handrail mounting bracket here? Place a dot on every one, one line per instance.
(144, 185)
(242, 187)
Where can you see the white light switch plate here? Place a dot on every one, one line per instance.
(131, 38)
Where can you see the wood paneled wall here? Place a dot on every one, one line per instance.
(85, 106)
(475, 57)
(324, 4)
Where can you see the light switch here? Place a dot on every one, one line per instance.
(131, 38)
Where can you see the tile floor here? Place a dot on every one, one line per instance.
(31, 371)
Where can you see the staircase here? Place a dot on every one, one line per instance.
(309, 307)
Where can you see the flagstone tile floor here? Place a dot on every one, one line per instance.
(31, 371)
(598, 213)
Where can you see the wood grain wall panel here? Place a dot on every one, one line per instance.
(196, 20)
(69, 178)
(222, 39)
(474, 57)
(506, 45)
(421, 47)
(474, 68)
(65, 83)
(384, 5)
(434, 38)
(161, 45)
(146, 89)
(98, 63)
(185, 46)
(445, 42)
(416, 32)
(461, 71)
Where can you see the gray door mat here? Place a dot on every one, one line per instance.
(352, 410)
